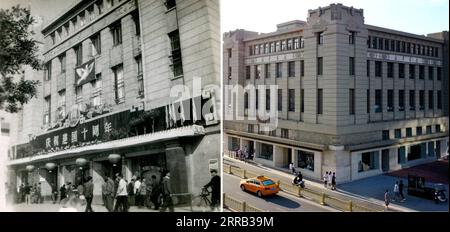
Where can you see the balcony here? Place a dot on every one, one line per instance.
(136, 45)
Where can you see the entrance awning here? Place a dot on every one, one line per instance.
(188, 131)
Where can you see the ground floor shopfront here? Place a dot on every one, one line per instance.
(348, 164)
(187, 152)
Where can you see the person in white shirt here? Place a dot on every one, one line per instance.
(330, 176)
(396, 192)
(137, 194)
(122, 195)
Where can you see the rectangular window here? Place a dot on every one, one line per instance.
(430, 99)
(430, 72)
(177, 64)
(302, 68)
(439, 100)
(374, 42)
(61, 104)
(250, 50)
(351, 101)
(421, 99)
(284, 133)
(412, 71)
(368, 100)
(277, 46)
(409, 132)
(390, 69)
(437, 128)
(62, 62)
(302, 42)
(140, 76)
(257, 72)
(247, 72)
(296, 43)
(392, 45)
(413, 48)
(439, 73)
(283, 45)
(401, 100)
(278, 70)
(256, 50)
(369, 161)
(79, 94)
(78, 54)
(47, 110)
(378, 69)
(369, 42)
(170, 4)
(401, 70)
(96, 45)
(119, 85)
(429, 130)
(137, 26)
(386, 44)
(82, 19)
(246, 100)
(267, 99)
(97, 90)
(320, 38)
(319, 66)
(380, 43)
(305, 160)
(291, 69)
(418, 130)
(266, 48)
(266, 152)
(100, 6)
(257, 99)
(116, 30)
(378, 101)
(385, 134)
(390, 100)
(302, 100)
(280, 99)
(319, 101)
(351, 37)
(412, 100)
(401, 155)
(289, 44)
(291, 98)
(408, 48)
(397, 46)
(421, 72)
(403, 47)
(267, 70)
(272, 47)
(351, 61)
(368, 68)
(398, 133)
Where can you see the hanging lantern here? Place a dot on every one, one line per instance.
(29, 168)
(114, 158)
(50, 166)
(81, 162)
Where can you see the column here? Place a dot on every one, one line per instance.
(176, 164)
(97, 179)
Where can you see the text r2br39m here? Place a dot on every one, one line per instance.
(246, 221)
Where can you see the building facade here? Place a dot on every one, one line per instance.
(109, 96)
(352, 98)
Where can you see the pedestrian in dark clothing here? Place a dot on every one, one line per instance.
(156, 192)
(387, 200)
(89, 194)
(333, 181)
(62, 193)
(108, 193)
(400, 187)
(167, 193)
(215, 189)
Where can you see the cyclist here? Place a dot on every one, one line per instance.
(215, 188)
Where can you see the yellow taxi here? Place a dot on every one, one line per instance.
(261, 185)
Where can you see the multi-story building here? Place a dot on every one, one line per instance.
(354, 99)
(109, 100)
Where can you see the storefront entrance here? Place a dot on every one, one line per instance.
(148, 165)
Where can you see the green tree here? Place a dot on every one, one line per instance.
(17, 49)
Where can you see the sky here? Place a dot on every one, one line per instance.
(413, 16)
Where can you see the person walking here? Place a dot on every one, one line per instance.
(333, 181)
(400, 189)
(396, 192)
(329, 179)
(27, 192)
(325, 179)
(137, 194)
(108, 193)
(214, 183)
(88, 194)
(39, 199)
(167, 193)
(143, 193)
(121, 195)
(387, 200)
(291, 167)
(62, 193)
(155, 192)
(130, 190)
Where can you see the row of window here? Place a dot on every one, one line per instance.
(291, 100)
(398, 132)
(402, 46)
(277, 46)
(401, 70)
(401, 100)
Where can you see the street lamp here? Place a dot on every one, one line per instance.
(50, 166)
(114, 159)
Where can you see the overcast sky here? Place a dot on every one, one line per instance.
(414, 16)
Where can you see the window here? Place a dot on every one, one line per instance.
(403, 47)
(257, 71)
(390, 100)
(421, 72)
(62, 62)
(82, 19)
(368, 100)
(401, 155)
(412, 71)
(378, 69)
(385, 134)
(66, 29)
(62, 103)
(413, 48)
(375, 42)
(302, 68)
(289, 44)
(284, 133)
(421, 100)
(246, 100)
(109, 3)
(47, 110)
(170, 4)
(351, 61)
(351, 101)
(439, 73)
(97, 90)
(280, 99)
(429, 130)
(256, 50)
(177, 65)
(401, 100)
(229, 52)
(398, 133)
(90, 11)
(266, 48)
(229, 71)
(369, 161)
(96, 45)
(386, 44)
(257, 99)
(302, 42)
(140, 77)
(48, 71)
(392, 45)
(247, 72)
(100, 6)
(369, 42)
(116, 30)
(319, 66)
(368, 68)
(305, 160)
(296, 43)
(351, 37)
(439, 100)
(378, 100)
(380, 43)
(277, 46)
(418, 130)
(52, 37)
(319, 101)
(438, 128)
(267, 70)
(430, 99)
(291, 98)
(272, 47)
(78, 54)
(266, 152)
(397, 46)
(137, 25)
(412, 100)
(401, 70)
(408, 48)
(283, 45)
(267, 99)
(390, 69)
(279, 72)
(261, 49)
(409, 132)
(291, 69)
(119, 85)
(79, 94)
(430, 72)
(302, 100)
(250, 50)
(320, 38)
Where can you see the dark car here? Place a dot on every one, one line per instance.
(417, 187)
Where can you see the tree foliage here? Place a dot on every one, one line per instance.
(18, 48)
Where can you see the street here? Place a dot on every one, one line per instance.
(280, 202)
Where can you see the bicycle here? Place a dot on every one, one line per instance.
(203, 199)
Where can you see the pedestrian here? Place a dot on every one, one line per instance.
(333, 181)
(291, 167)
(396, 192)
(142, 193)
(156, 192)
(167, 193)
(22, 193)
(88, 194)
(121, 195)
(386, 200)
(80, 190)
(214, 183)
(400, 188)
(329, 178)
(325, 179)
(137, 194)
(54, 192)
(130, 190)
(108, 193)
(27, 191)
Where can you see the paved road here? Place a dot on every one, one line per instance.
(280, 202)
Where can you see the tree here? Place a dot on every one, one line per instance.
(17, 49)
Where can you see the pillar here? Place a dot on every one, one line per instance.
(176, 164)
(97, 179)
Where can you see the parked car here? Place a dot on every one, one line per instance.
(417, 187)
(261, 185)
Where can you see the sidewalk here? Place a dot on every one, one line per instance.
(285, 175)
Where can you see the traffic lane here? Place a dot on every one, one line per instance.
(280, 202)
(258, 169)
